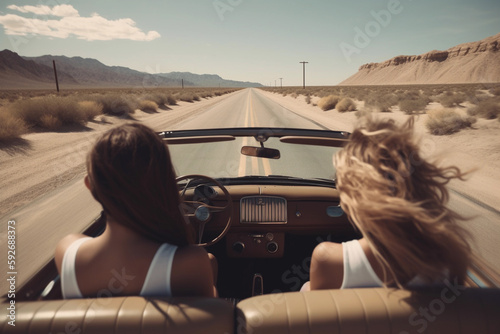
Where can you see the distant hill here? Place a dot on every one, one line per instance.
(18, 72)
(207, 80)
(91, 72)
(475, 62)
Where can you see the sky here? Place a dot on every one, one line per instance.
(245, 40)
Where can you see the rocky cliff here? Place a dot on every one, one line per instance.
(475, 62)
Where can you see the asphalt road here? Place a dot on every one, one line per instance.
(70, 208)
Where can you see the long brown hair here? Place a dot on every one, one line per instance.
(131, 175)
(398, 202)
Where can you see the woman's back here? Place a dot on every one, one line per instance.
(397, 200)
(130, 174)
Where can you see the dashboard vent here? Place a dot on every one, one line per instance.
(263, 210)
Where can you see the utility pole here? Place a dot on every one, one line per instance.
(281, 82)
(55, 74)
(304, 73)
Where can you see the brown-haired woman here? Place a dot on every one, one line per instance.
(146, 247)
(397, 200)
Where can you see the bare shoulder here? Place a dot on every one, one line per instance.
(328, 252)
(327, 266)
(192, 272)
(63, 245)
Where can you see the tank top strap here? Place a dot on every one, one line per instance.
(157, 280)
(358, 273)
(69, 284)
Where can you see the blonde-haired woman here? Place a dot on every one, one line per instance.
(397, 201)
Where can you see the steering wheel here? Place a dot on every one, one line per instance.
(199, 213)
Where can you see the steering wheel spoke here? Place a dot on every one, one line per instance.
(199, 213)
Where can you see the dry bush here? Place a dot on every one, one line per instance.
(450, 99)
(116, 104)
(187, 97)
(412, 106)
(328, 102)
(91, 109)
(495, 91)
(489, 109)
(148, 106)
(159, 98)
(171, 101)
(11, 127)
(381, 102)
(447, 121)
(64, 109)
(50, 122)
(346, 104)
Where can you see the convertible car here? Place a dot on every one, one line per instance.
(260, 200)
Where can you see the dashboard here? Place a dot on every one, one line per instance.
(263, 216)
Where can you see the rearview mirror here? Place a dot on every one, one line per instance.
(261, 152)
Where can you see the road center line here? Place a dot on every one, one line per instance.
(242, 167)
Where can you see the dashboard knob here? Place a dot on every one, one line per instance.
(272, 247)
(238, 247)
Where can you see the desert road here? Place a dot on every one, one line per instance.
(65, 206)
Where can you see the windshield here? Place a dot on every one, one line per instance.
(224, 160)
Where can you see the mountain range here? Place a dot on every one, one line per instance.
(474, 62)
(17, 72)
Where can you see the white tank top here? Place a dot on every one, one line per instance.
(358, 273)
(157, 282)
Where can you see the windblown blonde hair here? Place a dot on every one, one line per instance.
(398, 202)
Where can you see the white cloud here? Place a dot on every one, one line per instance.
(59, 10)
(69, 22)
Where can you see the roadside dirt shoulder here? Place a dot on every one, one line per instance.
(41, 162)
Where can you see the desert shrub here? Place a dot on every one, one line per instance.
(346, 104)
(489, 109)
(328, 102)
(186, 96)
(11, 127)
(148, 106)
(495, 91)
(63, 109)
(91, 109)
(116, 104)
(450, 99)
(172, 100)
(158, 98)
(380, 103)
(50, 122)
(447, 121)
(412, 106)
